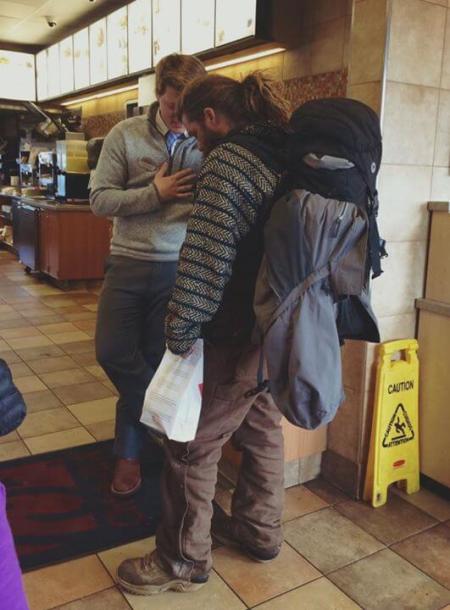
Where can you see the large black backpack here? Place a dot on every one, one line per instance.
(320, 242)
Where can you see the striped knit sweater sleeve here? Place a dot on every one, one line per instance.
(232, 186)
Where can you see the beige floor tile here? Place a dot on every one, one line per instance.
(73, 337)
(113, 557)
(328, 540)
(103, 430)
(300, 501)
(85, 359)
(21, 331)
(16, 322)
(36, 353)
(83, 392)
(91, 307)
(4, 346)
(108, 384)
(78, 347)
(318, 595)
(30, 383)
(262, 581)
(94, 411)
(41, 401)
(391, 523)
(86, 325)
(80, 315)
(13, 317)
(48, 319)
(59, 440)
(97, 371)
(214, 595)
(45, 422)
(110, 599)
(20, 370)
(430, 552)
(58, 302)
(66, 582)
(5, 309)
(10, 356)
(386, 581)
(9, 438)
(61, 327)
(437, 507)
(56, 379)
(51, 365)
(27, 342)
(43, 290)
(11, 451)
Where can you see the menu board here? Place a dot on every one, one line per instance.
(54, 85)
(235, 19)
(139, 35)
(98, 52)
(197, 26)
(118, 43)
(66, 65)
(166, 28)
(81, 59)
(17, 80)
(42, 75)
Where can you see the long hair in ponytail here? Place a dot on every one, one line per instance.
(254, 100)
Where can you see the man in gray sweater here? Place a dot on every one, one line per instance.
(144, 180)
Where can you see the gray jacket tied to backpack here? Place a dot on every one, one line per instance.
(320, 242)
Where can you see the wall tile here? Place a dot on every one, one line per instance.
(398, 327)
(416, 42)
(327, 10)
(404, 192)
(442, 151)
(440, 188)
(327, 46)
(368, 41)
(368, 93)
(395, 291)
(445, 83)
(409, 124)
(297, 62)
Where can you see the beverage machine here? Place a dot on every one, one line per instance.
(72, 177)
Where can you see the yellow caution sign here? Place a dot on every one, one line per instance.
(394, 443)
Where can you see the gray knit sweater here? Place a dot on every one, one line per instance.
(122, 187)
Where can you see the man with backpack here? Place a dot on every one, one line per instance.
(239, 126)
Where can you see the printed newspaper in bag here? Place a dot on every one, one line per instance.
(173, 399)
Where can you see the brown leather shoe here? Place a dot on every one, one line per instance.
(127, 477)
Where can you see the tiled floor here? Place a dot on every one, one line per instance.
(338, 554)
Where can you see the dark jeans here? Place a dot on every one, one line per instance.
(130, 338)
(183, 539)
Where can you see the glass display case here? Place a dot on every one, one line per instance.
(66, 65)
(117, 24)
(197, 25)
(81, 59)
(17, 77)
(139, 36)
(166, 28)
(98, 52)
(235, 19)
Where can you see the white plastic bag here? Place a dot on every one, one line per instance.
(173, 399)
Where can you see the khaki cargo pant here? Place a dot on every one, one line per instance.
(190, 474)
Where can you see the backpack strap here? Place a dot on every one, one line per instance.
(377, 246)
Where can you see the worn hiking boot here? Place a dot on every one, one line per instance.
(146, 576)
(223, 531)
